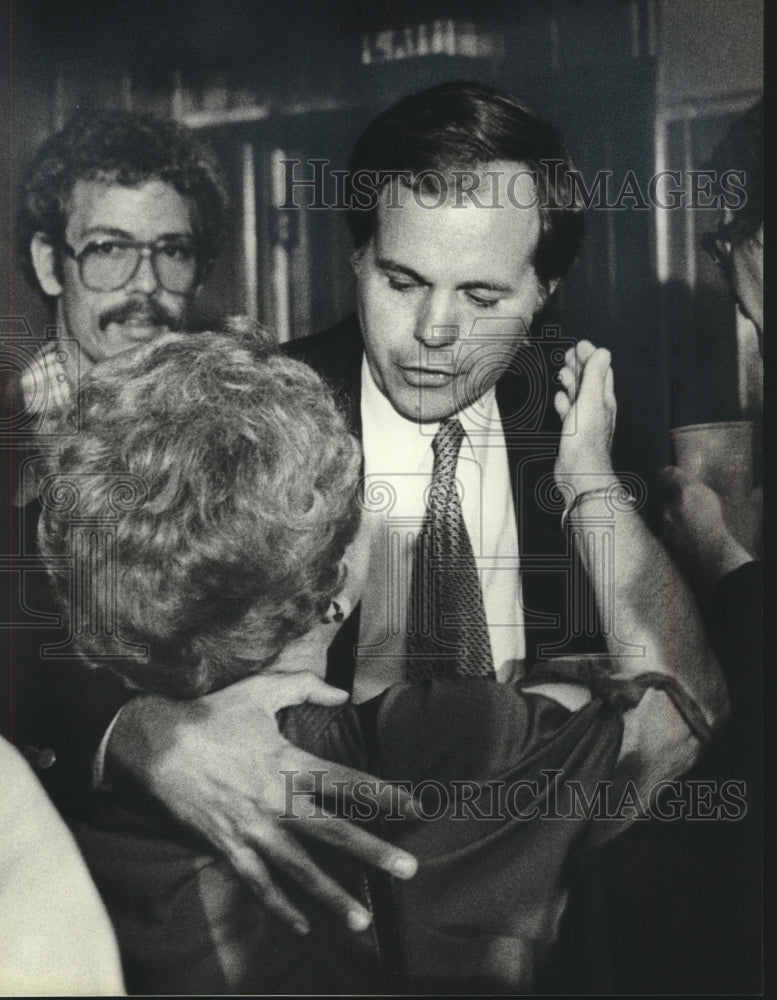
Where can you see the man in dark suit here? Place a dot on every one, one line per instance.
(463, 212)
(464, 217)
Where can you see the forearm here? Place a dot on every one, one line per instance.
(649, 618)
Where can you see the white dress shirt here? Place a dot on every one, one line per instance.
(398, 462)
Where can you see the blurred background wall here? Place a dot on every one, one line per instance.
(633, 86)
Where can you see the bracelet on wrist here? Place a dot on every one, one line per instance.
(602, 491)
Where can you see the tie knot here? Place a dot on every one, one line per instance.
(445, 446)
(448, 438)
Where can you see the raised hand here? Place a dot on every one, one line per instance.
(216, 763)
(587, 407)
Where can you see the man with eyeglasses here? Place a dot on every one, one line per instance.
(736, 246)
(120, 218)
(120, 221)
(694, 525)
(722, 861)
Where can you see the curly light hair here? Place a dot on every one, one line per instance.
(247, 498)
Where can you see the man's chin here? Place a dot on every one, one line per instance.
(425, 405)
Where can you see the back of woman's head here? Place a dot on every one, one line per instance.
(218, 485)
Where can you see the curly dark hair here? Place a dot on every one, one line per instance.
(465, 126)
(225, 472)
(128, 149)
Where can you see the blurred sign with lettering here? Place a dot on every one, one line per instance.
(445, 37)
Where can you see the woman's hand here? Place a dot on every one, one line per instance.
(587, 407)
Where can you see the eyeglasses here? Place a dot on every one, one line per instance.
(719, 244)
(729, 236)
(106, 265)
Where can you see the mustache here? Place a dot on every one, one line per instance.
(142, 310)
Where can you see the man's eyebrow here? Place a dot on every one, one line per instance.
(106, 231)
(122, 234)
(386, 264)
(181, 234)
(486, 286)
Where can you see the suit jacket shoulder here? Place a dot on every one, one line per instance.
(336, 354)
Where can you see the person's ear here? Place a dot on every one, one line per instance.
(549, 288)
(44, 261)
(355, 260)
(544, 291)
(339, 609)
(204, 272)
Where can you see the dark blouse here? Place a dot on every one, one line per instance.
(507, 785)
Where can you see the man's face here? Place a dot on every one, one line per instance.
(446, 294)
(105, 323)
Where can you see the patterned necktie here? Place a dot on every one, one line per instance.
(448, 634)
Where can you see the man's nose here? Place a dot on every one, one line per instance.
(438, 321)
(144, 279)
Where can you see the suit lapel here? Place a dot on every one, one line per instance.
(336, 354)
(531, 429)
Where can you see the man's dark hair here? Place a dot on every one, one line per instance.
(123, 148)
(742, 149)
(465, 126)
